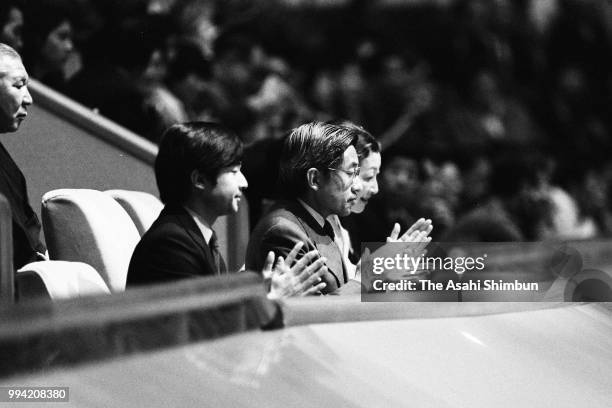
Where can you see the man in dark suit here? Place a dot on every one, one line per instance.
(198, 175)
(14, 102)
(318, 175)
(199, 179)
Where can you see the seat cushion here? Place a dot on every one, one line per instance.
(143, 208)
(89, 226)
(61, 279)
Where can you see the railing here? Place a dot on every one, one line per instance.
(42, 335)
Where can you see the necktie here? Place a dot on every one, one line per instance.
(214, 249)
(328, 229)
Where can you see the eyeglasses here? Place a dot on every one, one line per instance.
(351, 173)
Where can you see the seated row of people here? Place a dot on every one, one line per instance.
(300, 245)
(199, 177)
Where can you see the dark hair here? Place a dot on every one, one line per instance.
(185, 147)
(312, 145)
(366, 143)
(5, 9)
(41, 17)
(187, 59)
(514, 169)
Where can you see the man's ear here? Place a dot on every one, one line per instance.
(198, 181)
(313, 178)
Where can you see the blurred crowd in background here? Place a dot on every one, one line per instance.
(494, 115)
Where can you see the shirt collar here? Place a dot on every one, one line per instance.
(202, 226)
(318, 217)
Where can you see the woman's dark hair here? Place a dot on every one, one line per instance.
(41, 18)
(366, 143)
(185, 147)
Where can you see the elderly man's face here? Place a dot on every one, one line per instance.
(14, 95)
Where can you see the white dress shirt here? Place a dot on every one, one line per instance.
(206, 231)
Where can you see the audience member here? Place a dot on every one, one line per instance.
(11, 24)
(48, 41)
(198, 175)
(199, 179)
(397, 202)
(581, 207)
(319, 177)
(368, 151)
(519, 208)
(14, 102)
(475, 173)
(123, 74)
(189, 79)
(502, 74)
(195, 22)
(439, 193)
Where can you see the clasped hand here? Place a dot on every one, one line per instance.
(416, 237)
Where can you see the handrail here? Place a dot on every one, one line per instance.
(7, 275)
(93, 122)
(135, 304)
(94, 328)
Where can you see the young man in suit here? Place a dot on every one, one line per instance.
(14, 102)
(319, 171)
(199, 179)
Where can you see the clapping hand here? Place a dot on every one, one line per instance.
(418, 234)
(295, 278)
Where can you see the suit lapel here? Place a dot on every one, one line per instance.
(191, 228)
(324, 243)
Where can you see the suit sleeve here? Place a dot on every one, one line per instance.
(280, 240)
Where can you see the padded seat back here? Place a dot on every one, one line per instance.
(61, 280)
(89, 226)
(143, 208)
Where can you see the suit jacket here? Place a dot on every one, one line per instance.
(288, 223)
(173, 248)
(26, 226)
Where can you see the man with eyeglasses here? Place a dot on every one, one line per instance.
(318, 177)
(198, 173)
